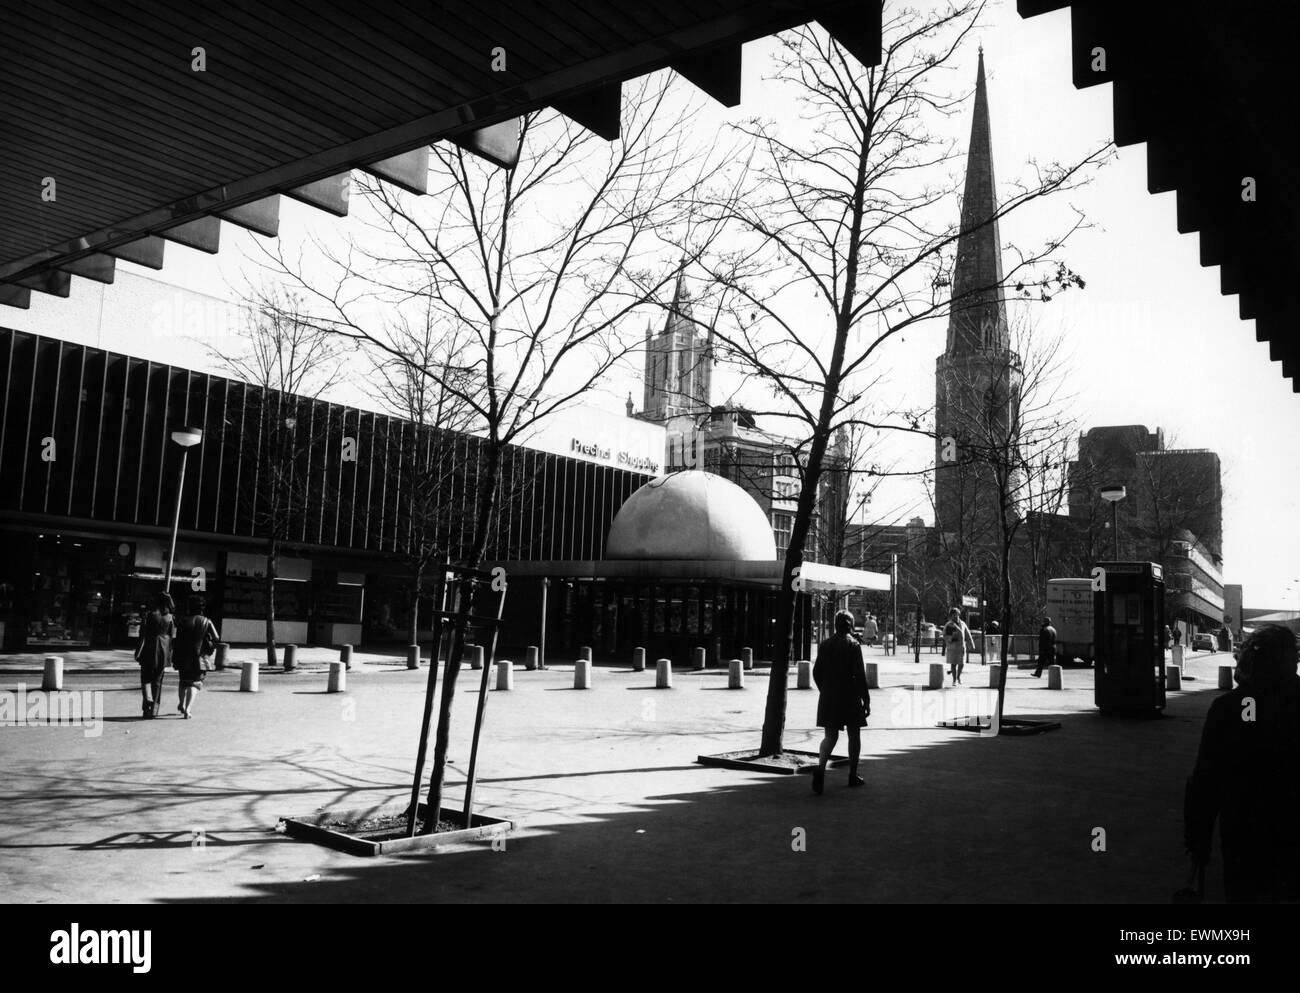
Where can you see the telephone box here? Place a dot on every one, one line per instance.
(1128, 619)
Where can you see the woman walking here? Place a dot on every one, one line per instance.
(154, 652)
(844, 700)
(957, 638)
(196, 640)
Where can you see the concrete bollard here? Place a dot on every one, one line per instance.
(530, 658)
(345, 656)
(699, 658)
(803, 677)
(53, 677)
(735, 675)
(475, 656)
(505, 676)
(747, 657)
(1176, 656)
(1054, 673)
(585, 652)
(412, 656)
(936, 676)
(223, 653)
(664, 674)
(638, 660)
(1173, 677)
(993, 645)
(582, 674)
(995, 674)
(290, 658)
(873, 676)
(1225, 677)
(338, 678)
(248, 677)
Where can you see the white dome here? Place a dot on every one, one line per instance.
(691, 515)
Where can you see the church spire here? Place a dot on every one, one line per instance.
(979, 312)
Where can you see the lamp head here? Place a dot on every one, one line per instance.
(1113, 494)
(187, 437)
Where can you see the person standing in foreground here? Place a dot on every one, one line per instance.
(844, 700)
(1046, 646)
(957, 639)
(1247, 776)
(154, 653)
(196, 640)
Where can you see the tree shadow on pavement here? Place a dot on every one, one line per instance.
(1090, 813)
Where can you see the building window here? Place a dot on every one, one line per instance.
(782, 531)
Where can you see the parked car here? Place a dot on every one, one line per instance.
(1203, 642)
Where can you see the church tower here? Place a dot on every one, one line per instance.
(978, 377)
(678, 364)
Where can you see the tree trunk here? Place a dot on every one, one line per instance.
(272, 555)
(486, 507)
(772, 741)
(1004, 566)
(774, 715)
(417, 586)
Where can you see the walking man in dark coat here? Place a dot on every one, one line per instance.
(844, 700)
(1247, 776)
(1046, 646)
(154, 653)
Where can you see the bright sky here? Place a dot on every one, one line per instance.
(1150, 341)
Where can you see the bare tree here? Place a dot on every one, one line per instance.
(426, 466)
(1015, 438)
(291, 362)
(1176, 491)
(965, 538)
(847, 241)
(540, 267)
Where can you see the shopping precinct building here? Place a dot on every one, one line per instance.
(90, 484)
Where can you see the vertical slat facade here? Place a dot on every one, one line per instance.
(111, 417)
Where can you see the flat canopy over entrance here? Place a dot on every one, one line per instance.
(766, 573)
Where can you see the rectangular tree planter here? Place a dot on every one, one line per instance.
(748, 760)
(316, 828)
(1010, 726)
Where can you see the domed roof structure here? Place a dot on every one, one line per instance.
(691, 515)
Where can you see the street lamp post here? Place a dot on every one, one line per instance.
(187, 438)
(893, 585)
(541, 641)
(1113, 495)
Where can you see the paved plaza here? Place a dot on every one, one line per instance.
(603, 785)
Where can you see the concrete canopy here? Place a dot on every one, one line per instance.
(767, 573)
(145, 121)
(1204, 84)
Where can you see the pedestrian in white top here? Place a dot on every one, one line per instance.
(957, 639)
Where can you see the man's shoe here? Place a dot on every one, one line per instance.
(819, 780)
(856, 780)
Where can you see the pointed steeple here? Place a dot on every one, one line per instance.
(681, 306)
(979, 312)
